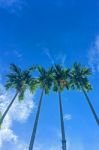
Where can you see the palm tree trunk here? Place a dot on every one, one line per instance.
(91, 106)
(36, 122)
(9, 106)
(62, 123)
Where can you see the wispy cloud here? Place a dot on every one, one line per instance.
(67, 117)
(57, 58)
(93, 55)
(13, 6)
(18, 112)
(15, 53)
(49, 55)
(61, 58)
(18, 54)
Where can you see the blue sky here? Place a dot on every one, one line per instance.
(69, 31)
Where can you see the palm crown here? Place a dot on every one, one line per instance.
(61, 78)
(19, 79)
(44, 80)
(79, 78)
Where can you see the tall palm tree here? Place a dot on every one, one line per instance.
(79, 81)
(18, 80)
(61, 81)
(44, 81)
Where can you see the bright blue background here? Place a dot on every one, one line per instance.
(64, 26)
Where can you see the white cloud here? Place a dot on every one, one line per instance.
(67, 117)
(13, 6)
(47, 147)
(20, 111)
(93, 56)
(19, 145)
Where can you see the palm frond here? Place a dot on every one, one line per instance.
(79, 77)
(33, 85)
(15, 69)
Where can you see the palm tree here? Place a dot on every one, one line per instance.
(79, 81)
(44, 81)
(18, 80)
(61, 81)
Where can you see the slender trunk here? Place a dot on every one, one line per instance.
(9, 106)
(62, 123)
(91, 106)
(36, 122)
